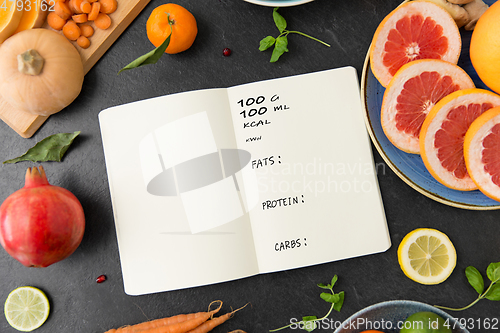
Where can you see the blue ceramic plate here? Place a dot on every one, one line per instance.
(409, 167)
(278, 3)
(388, 316)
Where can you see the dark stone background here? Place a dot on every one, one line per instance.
(81, 305)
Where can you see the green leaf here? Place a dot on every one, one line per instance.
(329, 297)
(279, 48)
(279, 20)
(52, 148)
(309, 323)
(338, 305)
(475, 279)
(334, 280)
(266, 43)
(493, 271)
(324, 286)
(494, 293)
(151, 57)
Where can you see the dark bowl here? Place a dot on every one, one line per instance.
(386, 316)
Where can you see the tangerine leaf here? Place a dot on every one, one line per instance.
(279, 48)
(52, 148)
(493, 271)
(279, 20)
(266, 43)
(338, 305)
(475, 279)
(151, 57)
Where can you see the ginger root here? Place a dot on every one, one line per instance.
(464, 12)
(475, 9)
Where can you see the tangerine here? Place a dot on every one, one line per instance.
(485, 47)
(172, 19)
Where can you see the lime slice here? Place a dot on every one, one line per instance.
(26, 308)
(427, 256)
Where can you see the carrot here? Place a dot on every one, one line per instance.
(94, 12)
(210, 324)
(62, 10)
(108, 6)
(83, 42)
(87, 30)
(79, 18)
(55, 21)
(85, 7)
(71, 30)
(102, 21)
(75, 6)
(176, 324)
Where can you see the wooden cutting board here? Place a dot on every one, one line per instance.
(26, 124)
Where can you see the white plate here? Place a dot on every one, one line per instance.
(278, 3)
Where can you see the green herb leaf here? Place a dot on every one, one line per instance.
(309, 323)
(334, 280)
(493, 271)
(475, 279)
(325, 286)
(266, 43)
(338, 305)
(52, 148)
(279, 20)
(151, 57)
(329, 297)
(279, 48)
(493, 293)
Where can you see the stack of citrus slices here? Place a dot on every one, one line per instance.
(430, 103)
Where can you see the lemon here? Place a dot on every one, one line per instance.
(427, 256)
(26, 308)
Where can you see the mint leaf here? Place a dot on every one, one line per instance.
(493, 271)
(334, 280)
(279, 48)
(475, 279)
(309, 323)
(52, 148)
(493, 293)
(325, 286)
(338, 305)
(266, 43)
(329, 297)
(279, 20)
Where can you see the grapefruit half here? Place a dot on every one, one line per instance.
(443, 131)
(415, 30)
(412, 93)
(482, 152)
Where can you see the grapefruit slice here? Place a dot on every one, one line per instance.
(443, 131)
(412, 93)
(482, 152)
(415, 30)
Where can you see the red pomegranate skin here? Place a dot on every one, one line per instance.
(41, 224)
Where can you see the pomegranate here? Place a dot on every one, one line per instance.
(41, 224)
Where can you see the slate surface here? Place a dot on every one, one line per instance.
(81, 305)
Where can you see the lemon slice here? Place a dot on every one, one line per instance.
(26, 308)
(427, 256)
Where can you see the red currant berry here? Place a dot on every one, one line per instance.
(226, 52)
(100, 278)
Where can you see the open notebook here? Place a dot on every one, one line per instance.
(214, 185)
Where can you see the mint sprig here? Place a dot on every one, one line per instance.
(281, 42)
(477, 282)
(309, 323)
